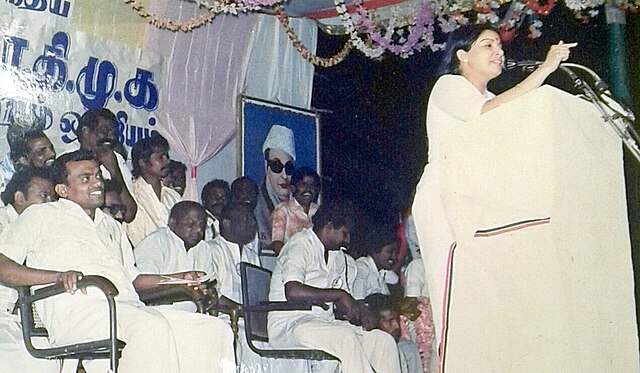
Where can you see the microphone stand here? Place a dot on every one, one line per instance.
(615, 114)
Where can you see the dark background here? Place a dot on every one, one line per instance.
(373, 133)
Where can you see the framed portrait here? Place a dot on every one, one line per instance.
(257, 118)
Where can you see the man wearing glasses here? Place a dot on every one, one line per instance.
(279, 150)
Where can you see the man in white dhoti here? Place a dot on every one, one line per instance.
(74, 233)
(236, 243)
(304, 272)
(150, 157)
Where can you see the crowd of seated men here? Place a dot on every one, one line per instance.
(87, 212)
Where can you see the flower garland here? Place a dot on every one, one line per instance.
(354, 38)
(165, 23)
(420, 32)
(304, 51)
(223, 6)
(226, 6)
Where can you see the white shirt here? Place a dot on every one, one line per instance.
(302, 260)
(369, 279)
(415, 281)
(221, 259)
(454, 101)
(213, 227)
(152, 213)
(7, 170)
(163, 252)
(8, 296)
(8, 215)
(60, 236)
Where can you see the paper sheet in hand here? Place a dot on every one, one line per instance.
(168, 280)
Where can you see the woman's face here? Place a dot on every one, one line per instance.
(485, 60)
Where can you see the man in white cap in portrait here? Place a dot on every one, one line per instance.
(279, 149)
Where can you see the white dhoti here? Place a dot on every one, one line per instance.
(358, 350)
(157, 340)
(14, 356)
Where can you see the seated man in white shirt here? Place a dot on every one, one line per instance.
(27, 187)
(150, 157)
(236, 243)
(97, 132)
(74, 233)
(304, 272)
(373, 269)
(166, 249)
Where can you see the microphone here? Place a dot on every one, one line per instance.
(524, 64)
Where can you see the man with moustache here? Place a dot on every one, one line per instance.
(294, 215)
(74, 233)
(36, 148)
(97, 133)
(279, 149)
(150, 157)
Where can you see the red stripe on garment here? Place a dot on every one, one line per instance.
(445, 308)
(512, 228)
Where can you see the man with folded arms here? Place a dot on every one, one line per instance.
(74, 233)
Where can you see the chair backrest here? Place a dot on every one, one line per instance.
(255, 292)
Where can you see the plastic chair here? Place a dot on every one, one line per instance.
(110, 348)
(256, 305)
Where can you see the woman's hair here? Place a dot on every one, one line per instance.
(461, 38)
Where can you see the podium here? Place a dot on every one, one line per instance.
(542, 279)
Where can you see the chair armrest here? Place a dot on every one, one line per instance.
(168, 294)
(104, 284)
